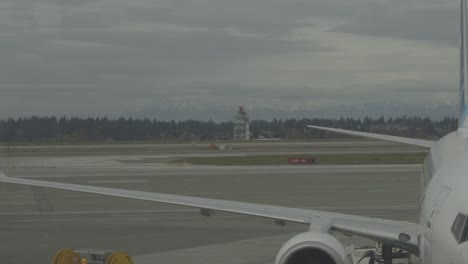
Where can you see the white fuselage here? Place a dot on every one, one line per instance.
(444, 195)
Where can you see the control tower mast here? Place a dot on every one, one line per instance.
(241, 125)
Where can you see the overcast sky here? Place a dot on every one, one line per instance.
(206, 57)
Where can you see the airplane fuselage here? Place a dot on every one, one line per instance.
(444, 196)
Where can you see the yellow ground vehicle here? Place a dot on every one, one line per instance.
(90, 256)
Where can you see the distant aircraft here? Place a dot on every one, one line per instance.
(440, 237)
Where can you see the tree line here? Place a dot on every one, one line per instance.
(74, 129)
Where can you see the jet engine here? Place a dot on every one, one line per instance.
(310, 248)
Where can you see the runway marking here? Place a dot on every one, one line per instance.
(368, 207)
(100, 212)
(117, 181)
(138, 217)
(215, 170)
(88, 212)
(111, 218)
(375, 190)
(13, 203)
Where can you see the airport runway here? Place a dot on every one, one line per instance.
(35, 222)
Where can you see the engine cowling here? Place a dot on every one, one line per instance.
(313, 248)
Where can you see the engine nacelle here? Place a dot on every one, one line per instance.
(313, 247)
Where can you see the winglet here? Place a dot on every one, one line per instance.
(463, 100)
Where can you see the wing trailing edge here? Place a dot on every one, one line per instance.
(409, 141)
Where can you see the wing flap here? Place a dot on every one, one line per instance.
(375, 229)
(410, 141)
(398, 234)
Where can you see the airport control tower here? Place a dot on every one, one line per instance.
(241, 125)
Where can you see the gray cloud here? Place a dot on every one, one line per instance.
(117, 56)
(435, 24)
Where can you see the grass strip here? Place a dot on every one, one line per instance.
(322, 159)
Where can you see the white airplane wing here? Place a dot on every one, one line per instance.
(399, 234)
(410, 141)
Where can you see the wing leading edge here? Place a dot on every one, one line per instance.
(384, 231)
(410, 141)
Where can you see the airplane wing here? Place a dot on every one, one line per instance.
(399, 234)
(410, 141)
